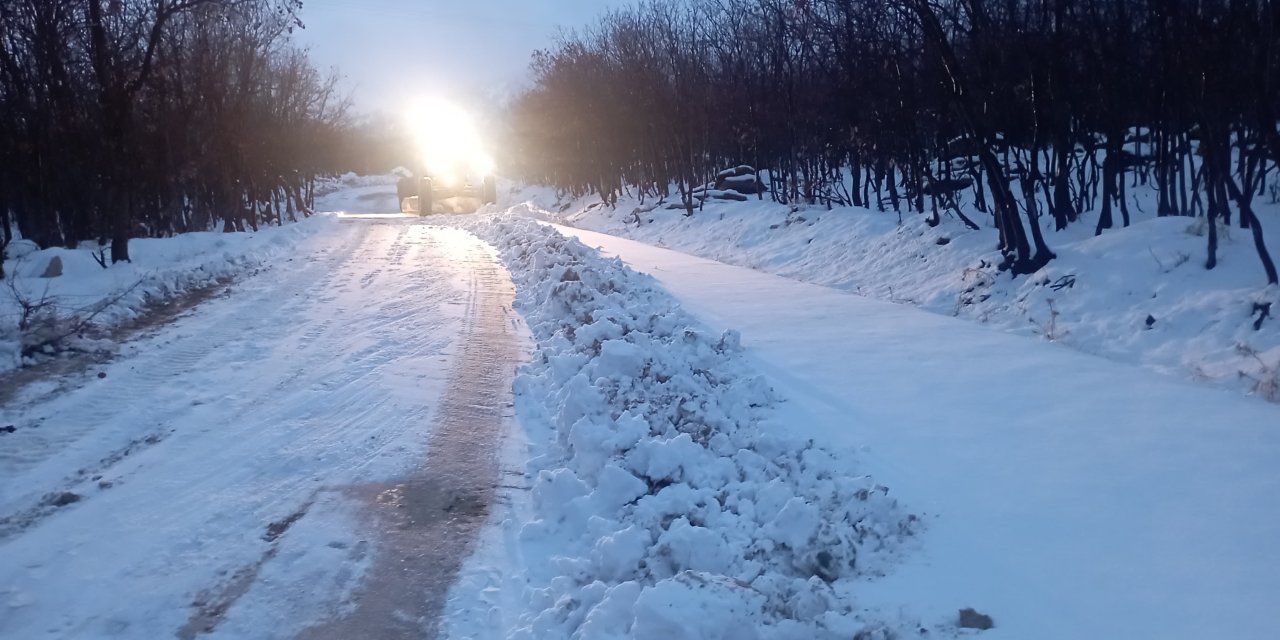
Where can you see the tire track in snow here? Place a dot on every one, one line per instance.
(330, 388)
(339, 394)
(429, 521)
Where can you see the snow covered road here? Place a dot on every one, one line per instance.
(314, 455)
(212, 479)
(1068, 496)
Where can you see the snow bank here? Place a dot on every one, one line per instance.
(668, 502)
(1137, 294)
(162, 268)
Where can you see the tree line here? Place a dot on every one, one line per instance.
(1037, 111)
(132, 118)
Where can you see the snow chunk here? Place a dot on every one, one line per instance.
(619, 359)
(698, 606)
(796, 523)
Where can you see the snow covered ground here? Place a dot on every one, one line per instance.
(1137, 294)
(98, 300)
(1062, 494)
(1065, 495)
(162, 269)
(706, 451)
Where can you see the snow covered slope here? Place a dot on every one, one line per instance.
(702, 452)
(1138, 294)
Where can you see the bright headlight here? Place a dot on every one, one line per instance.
(482, 165)
(448, 140)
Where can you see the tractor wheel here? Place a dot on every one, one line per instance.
(424, 196)
(490, 190)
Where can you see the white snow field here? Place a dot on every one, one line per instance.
(1138, 294)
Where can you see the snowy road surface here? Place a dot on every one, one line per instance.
(1073, 497)
(313, 454)
(255, 469)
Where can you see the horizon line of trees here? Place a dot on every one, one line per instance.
(1033, 109)
(134, 118)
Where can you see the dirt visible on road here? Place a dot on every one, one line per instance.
(428, 523)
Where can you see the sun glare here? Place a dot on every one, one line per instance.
(449, 141)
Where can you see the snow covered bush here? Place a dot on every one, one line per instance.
(669, 503)
(35, 322)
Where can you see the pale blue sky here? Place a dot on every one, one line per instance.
(390, 51)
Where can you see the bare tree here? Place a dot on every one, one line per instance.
(123, 118)
(911, 105)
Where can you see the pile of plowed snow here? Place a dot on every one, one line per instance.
(668, 503)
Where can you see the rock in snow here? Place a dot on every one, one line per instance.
(971, 619)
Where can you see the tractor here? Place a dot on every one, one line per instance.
(456, 170)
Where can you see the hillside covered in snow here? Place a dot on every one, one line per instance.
(1139, 294)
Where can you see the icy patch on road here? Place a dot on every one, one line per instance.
(668, 502)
